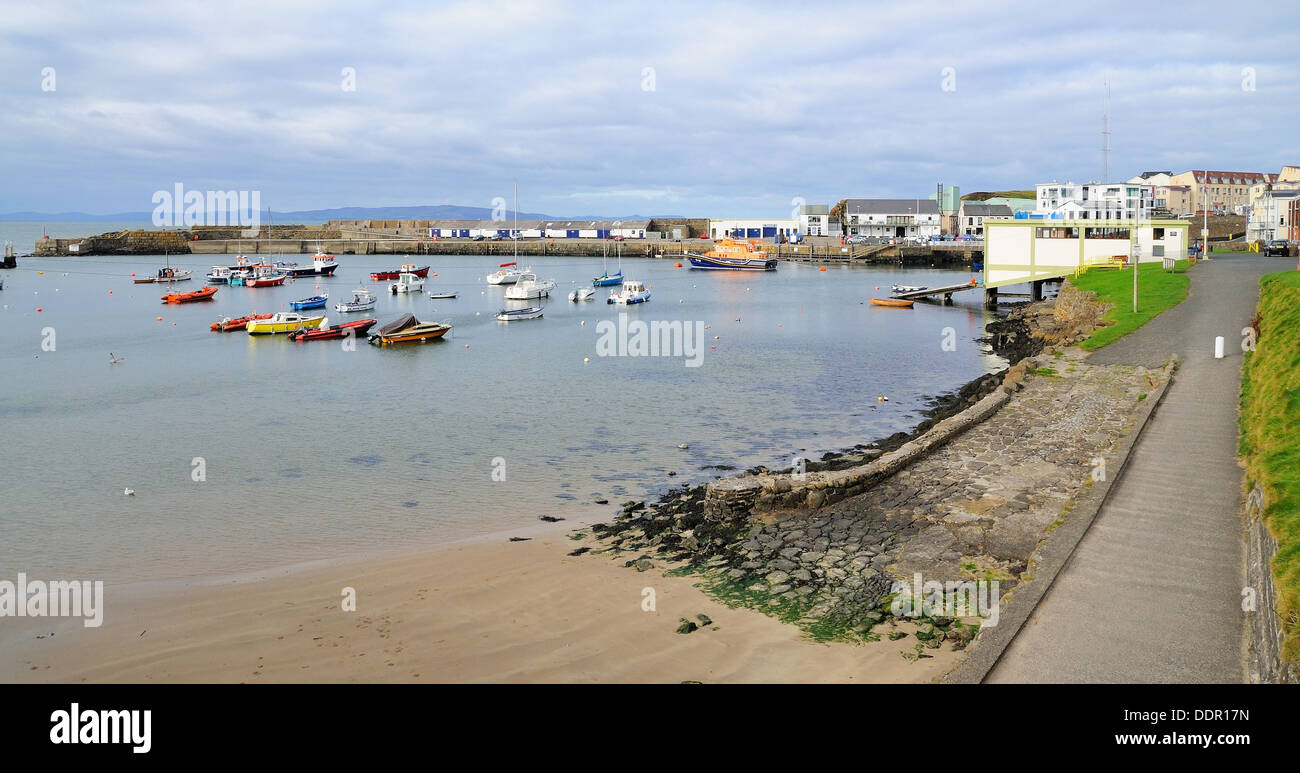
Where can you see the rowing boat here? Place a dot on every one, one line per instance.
(892, 303)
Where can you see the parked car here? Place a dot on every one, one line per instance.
(856, 239)
(496, 238)
(479, 238)
(620, 238)
(1276, 247)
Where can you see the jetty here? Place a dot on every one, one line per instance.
(945, 292)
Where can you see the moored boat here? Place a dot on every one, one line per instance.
(314, 302)
(408, 329)
(265, 277)
(173, 274)
(510, 315)
(229, 325)
(407, 268)
(440, 295)
(283, 322)
(197, 295)
(407, 282)
(909, 288)
(506, 274)
(632, 291)
(355, 328)
(322, 264)
(581, 294)
(530, 287)
(219, 275)
(891, 303)
(362, 300)
(733, 255)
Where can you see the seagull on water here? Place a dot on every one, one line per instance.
(113, 360)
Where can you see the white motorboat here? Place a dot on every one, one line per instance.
(219, 275)
(406, 283)
(529, 287)
(362, 300)
(582, 294)
(632, 291)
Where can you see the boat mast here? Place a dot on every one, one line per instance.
(515, 234)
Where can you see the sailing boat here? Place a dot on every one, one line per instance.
(606, 279)
(510, 273)
(170, 274)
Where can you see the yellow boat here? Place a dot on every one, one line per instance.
(894, 303)
(284, 322)
(408, 329)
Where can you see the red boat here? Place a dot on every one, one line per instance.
(198, 295)
(407, 268)
(266, 280)
(228, 325)
(356, 328)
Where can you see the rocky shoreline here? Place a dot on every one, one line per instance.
(970, 500)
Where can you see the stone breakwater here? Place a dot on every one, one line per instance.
(969, 500)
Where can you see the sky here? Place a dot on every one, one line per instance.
(697, 109)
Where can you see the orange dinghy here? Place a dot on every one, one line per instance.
(198, 295)
(228, 325)
(891, 303)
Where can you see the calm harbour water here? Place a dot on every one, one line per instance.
(314, 452)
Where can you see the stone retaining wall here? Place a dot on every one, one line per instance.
(1263, 629)
(765, 495)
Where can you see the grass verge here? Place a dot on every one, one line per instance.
(1158, 290)
(1270, 437)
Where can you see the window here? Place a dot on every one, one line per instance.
(1056, 233)
(1105, 233)
(1157, 233)
(1158, 251)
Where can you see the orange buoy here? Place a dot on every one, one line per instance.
(677, 265)
(160, 319)
(38, 309)
(110, 292)
(132, 273)
(823, 268)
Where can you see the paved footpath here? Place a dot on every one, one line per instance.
(1152, 593)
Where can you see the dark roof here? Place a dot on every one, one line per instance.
(986, 210)
(891, 207)
(1145, 175)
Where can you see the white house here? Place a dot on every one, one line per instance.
(970, 219)
(1027, 249)
(891, 217)
(629, 229)
(815, 220)
(1096, 201)
(1268, 216)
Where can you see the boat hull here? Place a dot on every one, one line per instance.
(608, 281)
(732, 264)
(357, 328)
(411, 337)
(892, 303)
(314, 270)
(198, 295)
(269, 327)
(231, 325)
(395, 273)
(309, 303)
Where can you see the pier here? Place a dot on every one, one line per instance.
(945, 292)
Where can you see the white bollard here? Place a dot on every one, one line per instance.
(1218, 347)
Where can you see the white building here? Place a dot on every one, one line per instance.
(1029, 249)
(891, 217)
(753, 229)
(1095, 201)
(970, 219)
(1268, 217)
(815, 220)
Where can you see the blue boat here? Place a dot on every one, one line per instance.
(608, 280)
(314, 302)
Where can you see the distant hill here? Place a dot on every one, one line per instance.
(427, 212)
(986, 195)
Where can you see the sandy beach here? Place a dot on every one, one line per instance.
(482, 611)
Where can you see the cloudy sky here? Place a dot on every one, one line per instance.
(695, 108)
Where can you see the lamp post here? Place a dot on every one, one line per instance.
(1135, 253)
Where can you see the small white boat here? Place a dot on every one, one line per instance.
(362, 300)
(908, 288)
(510, 315)
(406, 283)
(219, 275)
(442, 295)
(632, 291)
(582, 294)
(506, 274)
(529, 287)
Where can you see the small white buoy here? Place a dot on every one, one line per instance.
(683, 446)
(130, 492)
(1218, 347)
(582, 323)
(586, 360)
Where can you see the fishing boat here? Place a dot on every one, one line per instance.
(408, 329)
(170, 274)
(733, 255)
(407, 268)
(908, 289)
(198, 295)
(406, 283)
(506, 274)
(510, 315)
(238, 276)
(144, 280)
(219, 275)
(442, 295)
(322, 264)
(265, 276)
(228, 325)
(529, 287)
(282, 322)
(891, 303)
(356, 328)
(632, 291)
(362, 300)
(314, 302)
(582, 294)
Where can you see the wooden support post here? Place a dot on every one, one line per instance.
(991, 298)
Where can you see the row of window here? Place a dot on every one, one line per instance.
(1072, 232)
